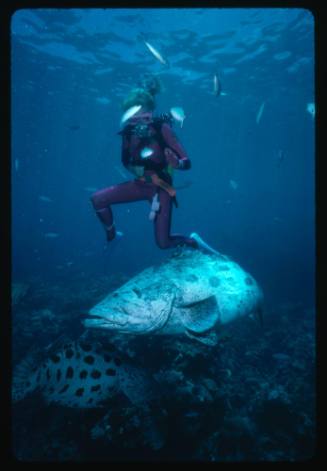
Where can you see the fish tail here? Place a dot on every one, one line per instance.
(24, 379)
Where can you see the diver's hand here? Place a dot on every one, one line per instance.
(171, 158)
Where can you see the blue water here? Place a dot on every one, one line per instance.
(71, 70)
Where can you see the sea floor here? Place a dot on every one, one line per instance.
(250, 398)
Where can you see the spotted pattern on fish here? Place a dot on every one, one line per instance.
(95, 374)
(191, 277)
(110, 372)
(109, 348)
(69, 372)
(69, 353)
(89, 359)
(214, 281)
(86, 347)
(66, 380)
(55, 358)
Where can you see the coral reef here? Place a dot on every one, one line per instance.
(18, 292)
(250, 398)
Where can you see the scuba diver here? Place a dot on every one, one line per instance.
(150, 151)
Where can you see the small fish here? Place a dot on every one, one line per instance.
(178, 114)
(260, 112)
(79, 374)
(130, 112)
(146, 152)
(16, 165)
(74, 127)
(45, 198)
(155, 52)
(51, 235)
(311, 108)
(217, 86)
(233, 184)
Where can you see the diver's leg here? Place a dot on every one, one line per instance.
(121, 193)
(163, 223)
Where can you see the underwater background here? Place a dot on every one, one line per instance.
(250, 194)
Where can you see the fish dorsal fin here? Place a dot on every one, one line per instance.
(58, 344)
(201, 315)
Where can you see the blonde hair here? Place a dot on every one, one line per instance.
(144, 94)
(139, 96)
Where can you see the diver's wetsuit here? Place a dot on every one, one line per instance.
(137, 189)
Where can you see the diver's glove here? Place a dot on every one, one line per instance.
(172, 158)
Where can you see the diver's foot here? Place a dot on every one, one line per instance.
(110, 233)
(113, 234)
(192, 243)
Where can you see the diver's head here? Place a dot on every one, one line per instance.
(144, 94)
(151, 83)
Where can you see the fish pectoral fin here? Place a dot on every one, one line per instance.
(208, 338)
(162, 309)
(202, 315)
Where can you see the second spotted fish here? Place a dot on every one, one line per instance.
(79, 374)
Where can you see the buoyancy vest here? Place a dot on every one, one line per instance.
(144, 133)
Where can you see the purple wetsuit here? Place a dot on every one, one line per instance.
(137, 190)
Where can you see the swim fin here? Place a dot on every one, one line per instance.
(203, 245)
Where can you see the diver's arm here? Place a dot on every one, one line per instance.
(175, 151)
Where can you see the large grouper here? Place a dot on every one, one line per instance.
(191, 292)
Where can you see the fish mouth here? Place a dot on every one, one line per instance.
(96, 321)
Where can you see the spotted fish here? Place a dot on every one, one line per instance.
(78, 374)
(192, 293)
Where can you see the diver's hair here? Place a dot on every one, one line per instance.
(144, 94)
(151, 83)
(139, 96)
